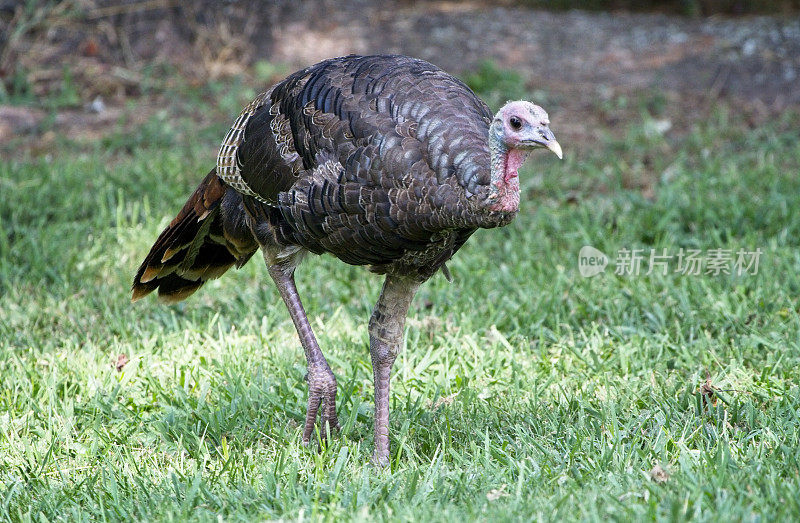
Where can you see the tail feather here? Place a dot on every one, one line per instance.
(196, 246)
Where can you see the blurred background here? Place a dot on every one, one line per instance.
(71, 67)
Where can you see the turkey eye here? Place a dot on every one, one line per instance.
(515, 122)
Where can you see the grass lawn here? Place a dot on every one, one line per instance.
(525, 391)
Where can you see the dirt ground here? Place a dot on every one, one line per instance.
(580, 58)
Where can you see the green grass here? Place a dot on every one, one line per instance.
(524, 391)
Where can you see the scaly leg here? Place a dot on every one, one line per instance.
(385, 338)
(321, 381)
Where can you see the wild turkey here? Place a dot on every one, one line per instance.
(384, 161)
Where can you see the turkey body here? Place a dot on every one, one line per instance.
(372, 159)
(380, 161)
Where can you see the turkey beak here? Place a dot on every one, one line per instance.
(544, 137)
(556, 148)
(548, 140)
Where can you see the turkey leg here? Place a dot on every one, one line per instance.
(385, 338)
(321, 381)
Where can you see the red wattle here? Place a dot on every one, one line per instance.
(513, 161)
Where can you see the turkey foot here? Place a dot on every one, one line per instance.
(321, 381)
(385, 339)
(321, 393)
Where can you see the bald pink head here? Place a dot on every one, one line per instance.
(523, 125)
(517, 129)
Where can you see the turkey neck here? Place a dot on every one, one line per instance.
(504, 189)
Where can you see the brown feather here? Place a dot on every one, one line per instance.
(150, 273)
(195, 247)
